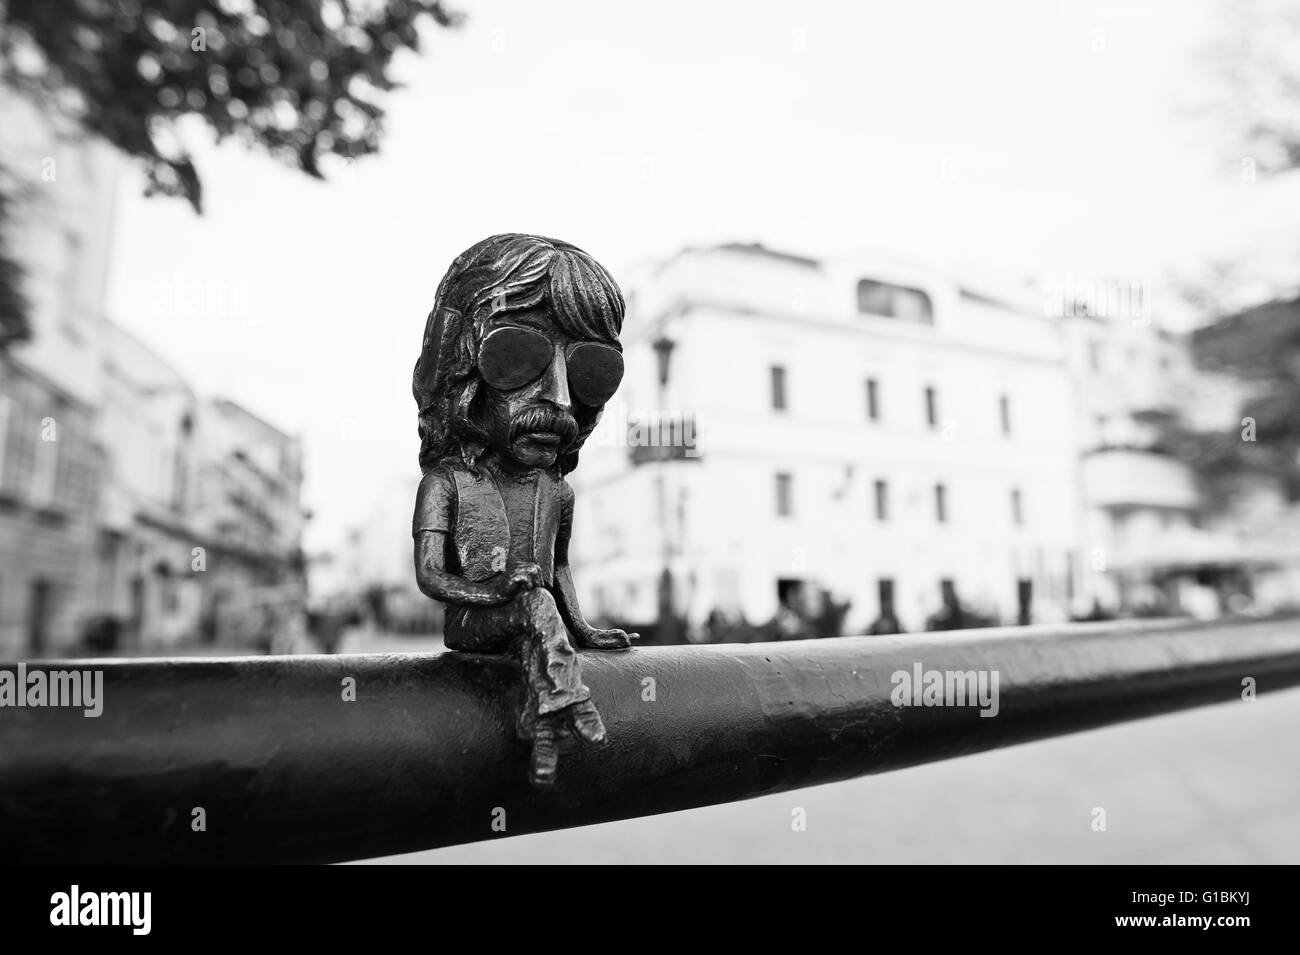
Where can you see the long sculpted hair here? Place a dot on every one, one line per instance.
(503, 274)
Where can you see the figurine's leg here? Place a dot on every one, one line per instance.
(554, 671)
(496, 630)
(481, 629)
(586, 721)
(552, 664)
(556, 699)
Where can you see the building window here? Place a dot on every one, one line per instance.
(778, 388)
(39, 609)
(885, 595)
(1017, 512)
(1024, 601)
(948, 593)
(784, 495)
(941, 503)
(931, 407)
(791, 593)
(882, 501)
(895, 301)
(873, 400)
(1004, 412)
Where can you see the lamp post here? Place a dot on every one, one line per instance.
(666, 628)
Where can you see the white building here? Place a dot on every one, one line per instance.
(1141, 505)
(200, 521)
(859, 427)
(121, 495)
(63, 185)
(147, 541)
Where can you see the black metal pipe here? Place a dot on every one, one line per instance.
(286, 770)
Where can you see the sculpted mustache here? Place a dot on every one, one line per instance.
(545, 419)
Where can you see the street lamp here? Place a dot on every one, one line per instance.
(666, 628)
(663, 346)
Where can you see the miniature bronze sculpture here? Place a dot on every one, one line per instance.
(520, 355)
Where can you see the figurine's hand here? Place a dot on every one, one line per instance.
(524, 577)
(614, 639)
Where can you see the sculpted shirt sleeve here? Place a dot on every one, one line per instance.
(435, 504)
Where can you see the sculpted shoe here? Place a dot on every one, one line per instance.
(586, 722)
(546, 752)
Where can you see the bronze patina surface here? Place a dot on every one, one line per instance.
(520, 355)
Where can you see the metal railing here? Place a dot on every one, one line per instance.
(266, 760)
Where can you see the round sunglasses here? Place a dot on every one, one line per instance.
(513, 356)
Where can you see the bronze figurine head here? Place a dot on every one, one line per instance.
(520, 354)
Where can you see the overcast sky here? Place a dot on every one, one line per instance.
(1012, 138)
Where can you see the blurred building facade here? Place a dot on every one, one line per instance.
(51, 455)
(249, 519)
(144, 547)
(131, 510)
(1141, 503)
(863, 433)
(891, 439)
(200, 530)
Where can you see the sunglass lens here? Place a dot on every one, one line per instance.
(511, 357)
(595, 371)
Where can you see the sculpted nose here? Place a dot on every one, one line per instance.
(555, 386)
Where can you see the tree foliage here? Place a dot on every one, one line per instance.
(1260, 348)
(298, 78)
(1257, 76)
(1255, 101)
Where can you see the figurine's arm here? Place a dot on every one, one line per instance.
(566, 595)
(437, 582)
(435, 507)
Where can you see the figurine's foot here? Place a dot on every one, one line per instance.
(546, 752)
(586, 722)
(615, 639)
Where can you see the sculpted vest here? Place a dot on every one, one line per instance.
(482, 535)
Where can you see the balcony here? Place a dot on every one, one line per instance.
(1133, 477)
